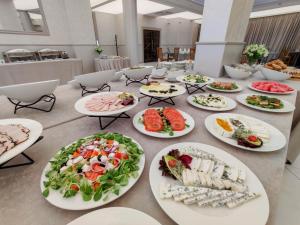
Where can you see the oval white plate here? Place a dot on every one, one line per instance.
(115, 216)
(240, 88)
(180, 79)
(35, 131)
(140, 127)
(270, 92)
(277, 139)
(180, 91)
(288, 107)
(80, 105)
(231, 104)
(253, 212)
(76, 202)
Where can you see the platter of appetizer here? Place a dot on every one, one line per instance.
(271, 87)
(162, 90)
(224, 86)
(265, 103)
(115, 216)
(212, 102)
(106, 103)
(92, 171)
(192, 180)
(245, 132)
(16, 135)
(194, 79)
(165, 122)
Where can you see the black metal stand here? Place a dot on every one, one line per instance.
(114, 118)
(46, 98)
(130, 81)
(168, 100)
(29, 162)
(86, 91)
(196, 87)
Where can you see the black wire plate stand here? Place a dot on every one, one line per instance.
(29, 160)
(168, 100)
(130, 81)
(122, 115)
(192, 88)
(86, 91)
(46, 98)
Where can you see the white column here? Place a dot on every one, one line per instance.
(222, 35)
(131, 30)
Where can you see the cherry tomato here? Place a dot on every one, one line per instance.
(96, 185)
(252, 138)
(119, 155)
(116, 162)
(91, 175)
(74, 187)
(172, 163)
(125, 156)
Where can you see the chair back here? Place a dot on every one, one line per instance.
(192, 53)
(97, 79)
(159, 54)
(176, 54)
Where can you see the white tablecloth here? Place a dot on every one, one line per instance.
(25, 72)
(110, 64)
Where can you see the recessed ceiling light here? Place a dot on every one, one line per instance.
(184, 15)
(143, 7)
(276, 11)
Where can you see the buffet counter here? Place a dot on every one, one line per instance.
(25, 72)
(25, 187)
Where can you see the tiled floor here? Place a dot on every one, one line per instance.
(288, 211)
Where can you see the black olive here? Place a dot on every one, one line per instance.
(79, 170)
(99, 157)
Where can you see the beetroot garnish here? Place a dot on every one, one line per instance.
(186, 160)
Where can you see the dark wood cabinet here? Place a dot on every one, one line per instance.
(151, 43)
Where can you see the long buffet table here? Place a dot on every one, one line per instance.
(25, 72)
(21, 198)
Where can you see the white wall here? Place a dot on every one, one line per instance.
(173, 32)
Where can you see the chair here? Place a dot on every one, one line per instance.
(160, 54)
(95, 82)
(28, 94)
(176, 54)
(137, 75)
(192, 53)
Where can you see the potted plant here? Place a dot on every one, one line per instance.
(99, 50)
(254, 52)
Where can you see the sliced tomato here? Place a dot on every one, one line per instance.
(87, 154)
(76, 153)
(125, 156)
(94, 153)
(116, 162)
(74, 187)
(102, 152)
(119, 155)
(96, 185)
(91, 175)
(98, 168)
(178, 125)
(154, 126)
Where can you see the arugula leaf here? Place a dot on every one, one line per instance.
(46, 192)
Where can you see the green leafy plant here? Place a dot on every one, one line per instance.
(98, 49)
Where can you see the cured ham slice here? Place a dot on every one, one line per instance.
(102, 103)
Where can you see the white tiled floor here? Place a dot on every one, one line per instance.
(288, 211)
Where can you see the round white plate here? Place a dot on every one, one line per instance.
(270, 92)
(76, 202)
(140, 127)
(240, 88)
(277, 139)
(180, 91)
(115, 216)
(35, 131)
(80, 105)
(253, 212)
(231, 104)
(288, 107)
(180, 79)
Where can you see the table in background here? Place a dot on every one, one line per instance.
(112, 63)
(34, 71)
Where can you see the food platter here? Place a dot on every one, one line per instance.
(114, 216)
(83, 193)
(284, 108)
(200, 80)
(80, 105)
(270, 138)
(168, 133)
(154, 90)
(269, 92)
(255, 211)
(35, 130)
(238, 89)
(230, 104)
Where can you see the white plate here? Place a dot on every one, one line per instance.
(270, 92)
(180, 91)
(180, 79)
(80, 105)
(231, 104)
(140, 127)
(288, 107)
(253, 212)
(277, 139)
(240, 88)
(115, 216)
(35, 131)
(76, 202)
